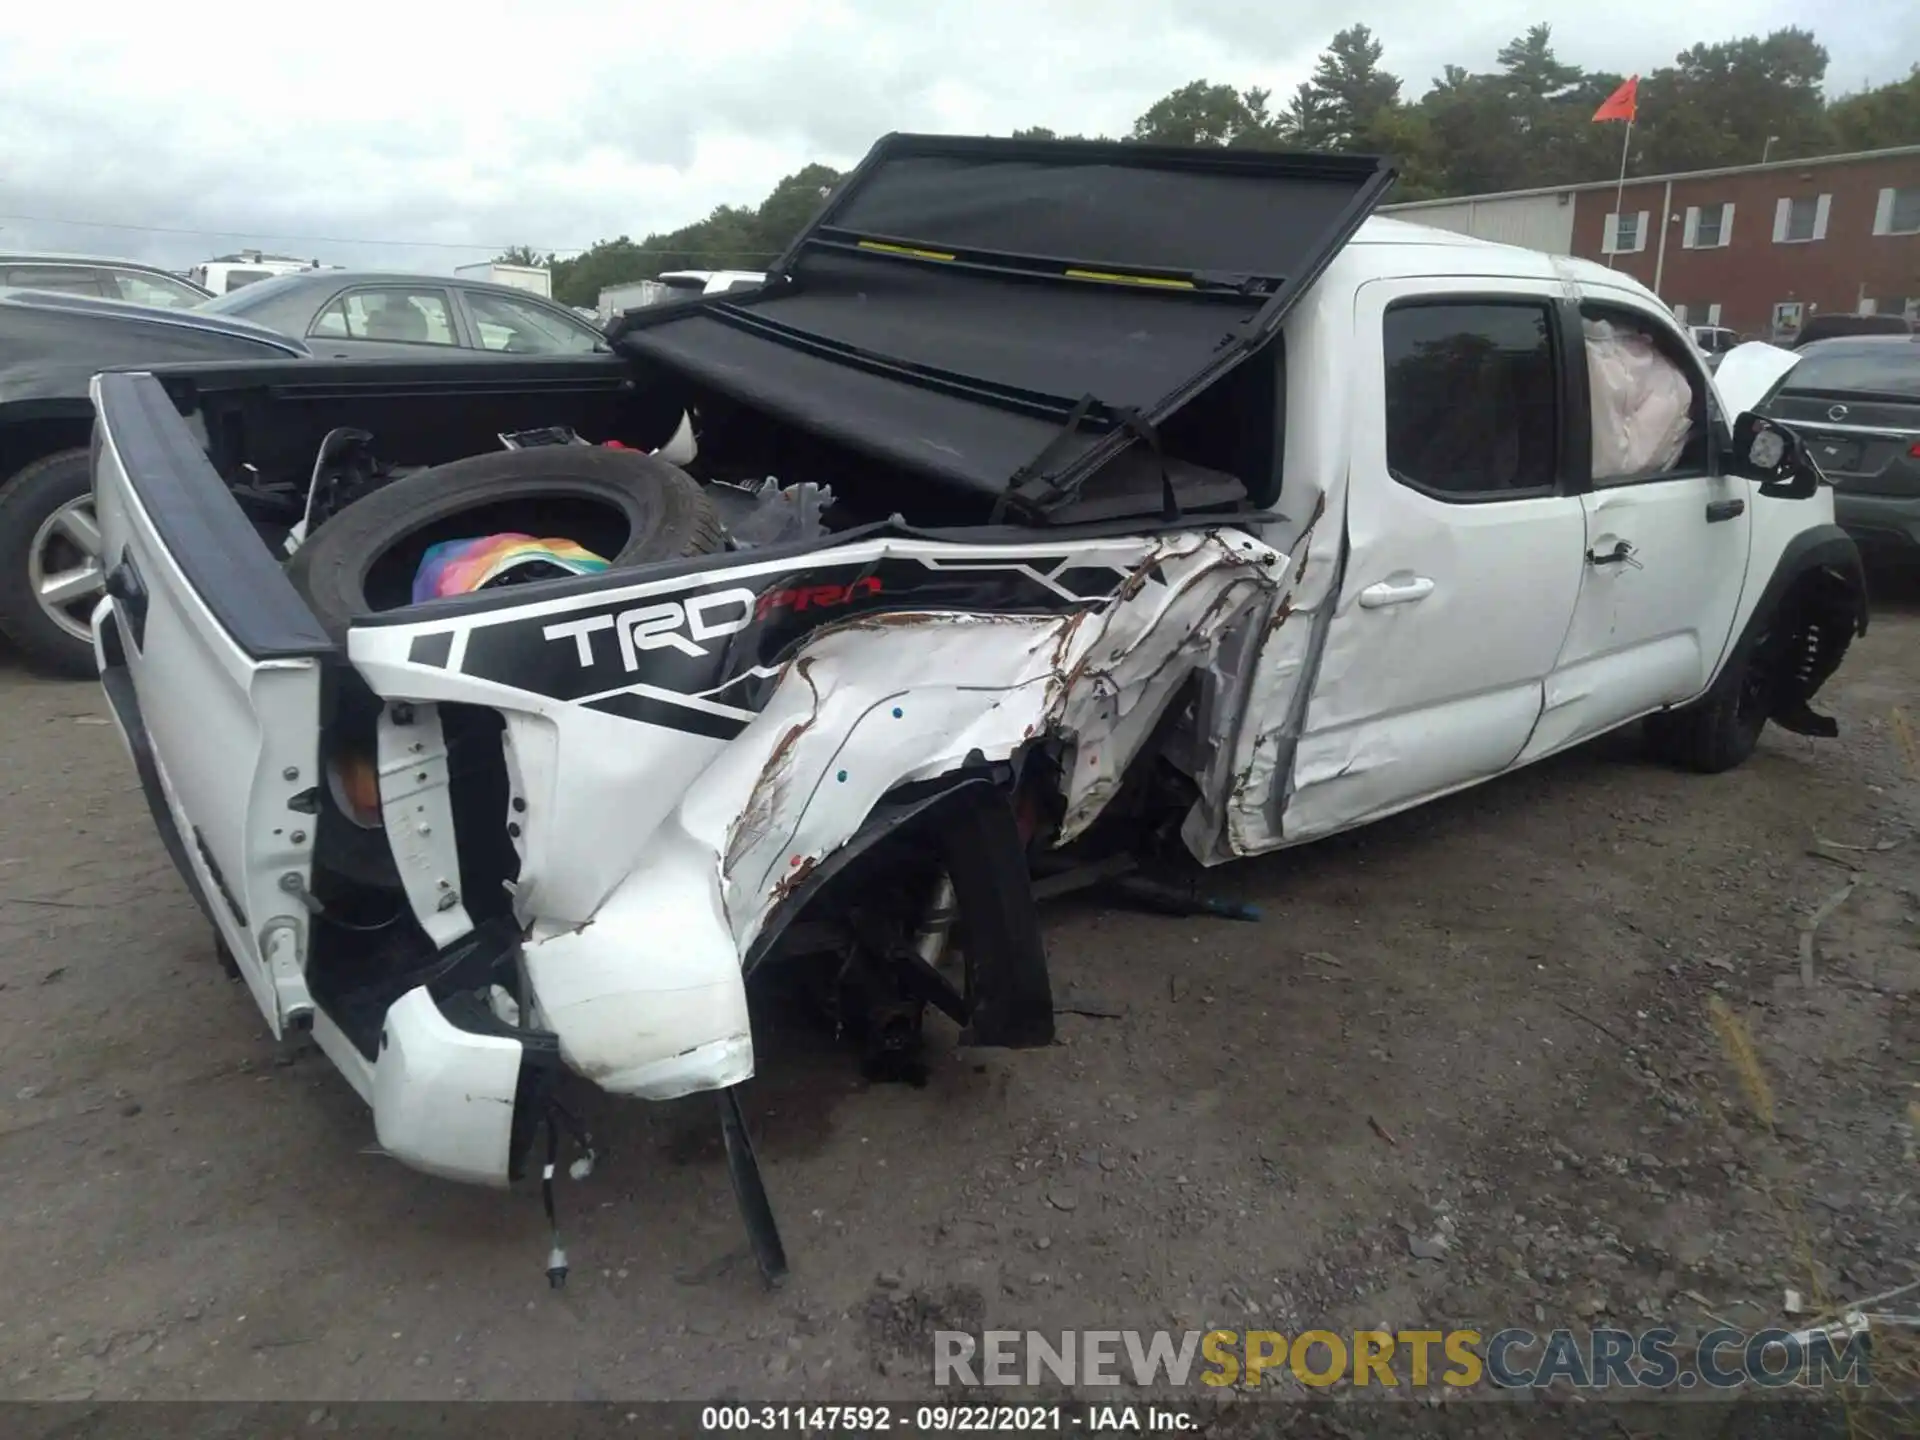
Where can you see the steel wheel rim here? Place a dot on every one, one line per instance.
(64, 570)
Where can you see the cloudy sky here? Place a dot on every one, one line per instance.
(425, 136)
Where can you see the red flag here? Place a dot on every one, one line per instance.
(1620, 105)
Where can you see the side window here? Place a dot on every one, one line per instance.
(1472, 411)
(403, 317)
(517, 327)
(67, 279)
(1648, 397)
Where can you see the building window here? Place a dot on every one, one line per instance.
(1626, 234)
(1708, 227)
(1898, 212)
(1798, 219)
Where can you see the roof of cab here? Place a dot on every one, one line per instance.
(1372, 251)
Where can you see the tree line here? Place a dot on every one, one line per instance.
(1525, 123)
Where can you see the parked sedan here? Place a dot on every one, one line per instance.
(1857, 402)
(100, 277)
(345, 316)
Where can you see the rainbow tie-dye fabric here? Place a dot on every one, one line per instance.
(457, 567)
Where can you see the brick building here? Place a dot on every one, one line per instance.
(1758, 248)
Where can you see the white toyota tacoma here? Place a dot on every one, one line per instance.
(1049, 498)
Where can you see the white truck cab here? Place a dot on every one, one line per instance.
(1255, 515)
(230, 272)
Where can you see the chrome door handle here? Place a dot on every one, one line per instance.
(1389, 592)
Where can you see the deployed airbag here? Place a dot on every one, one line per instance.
(1642, 403)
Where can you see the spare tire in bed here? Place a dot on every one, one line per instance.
(629, 507)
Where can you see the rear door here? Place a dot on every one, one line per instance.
(1464, 548)
(212, 665)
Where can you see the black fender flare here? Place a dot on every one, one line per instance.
(1824, 619)
(1009, 988)
(45, 413)
(1823, 547)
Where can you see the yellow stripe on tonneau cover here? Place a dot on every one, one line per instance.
(904, 250)
(1129, 279)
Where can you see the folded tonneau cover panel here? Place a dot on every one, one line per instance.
(959, 299)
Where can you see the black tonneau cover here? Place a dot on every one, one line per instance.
(1004, 316)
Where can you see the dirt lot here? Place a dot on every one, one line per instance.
(1481, 1031)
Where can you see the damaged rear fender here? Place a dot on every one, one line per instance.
(648, 996)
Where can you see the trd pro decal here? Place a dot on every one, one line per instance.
(716, 639)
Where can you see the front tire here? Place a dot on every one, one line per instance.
(1722, 728)
(51, 573)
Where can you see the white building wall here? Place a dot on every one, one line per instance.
(1536, 222)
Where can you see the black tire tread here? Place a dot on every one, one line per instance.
(27, 497)
(1707, 736)
(676, 518)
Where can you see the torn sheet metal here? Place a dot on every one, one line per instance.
(652, 853)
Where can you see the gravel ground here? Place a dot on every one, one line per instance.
(1464, 1071)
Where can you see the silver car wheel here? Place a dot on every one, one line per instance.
(64, 568)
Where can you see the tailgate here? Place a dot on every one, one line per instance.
(212, 664)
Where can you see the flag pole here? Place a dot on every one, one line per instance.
(1619, 190)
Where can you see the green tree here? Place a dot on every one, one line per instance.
(732, 237)
(1720, 104)
(791, 207)
(1349, 91)
(520, 255)
(1880, 118)
(1202, 113)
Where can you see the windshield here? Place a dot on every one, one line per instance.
(145, 288)
(1882, 369)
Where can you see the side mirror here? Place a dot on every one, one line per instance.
(1776, 456)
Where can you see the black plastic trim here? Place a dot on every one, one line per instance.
(1821, 547)
(885, 820)
(1242, 290)
(201, 527)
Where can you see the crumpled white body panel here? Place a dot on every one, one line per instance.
(645, 989)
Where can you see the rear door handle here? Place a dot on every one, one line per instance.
(1718, 510)
(1402, 592)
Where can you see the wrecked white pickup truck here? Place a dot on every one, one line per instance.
(1170, 494)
